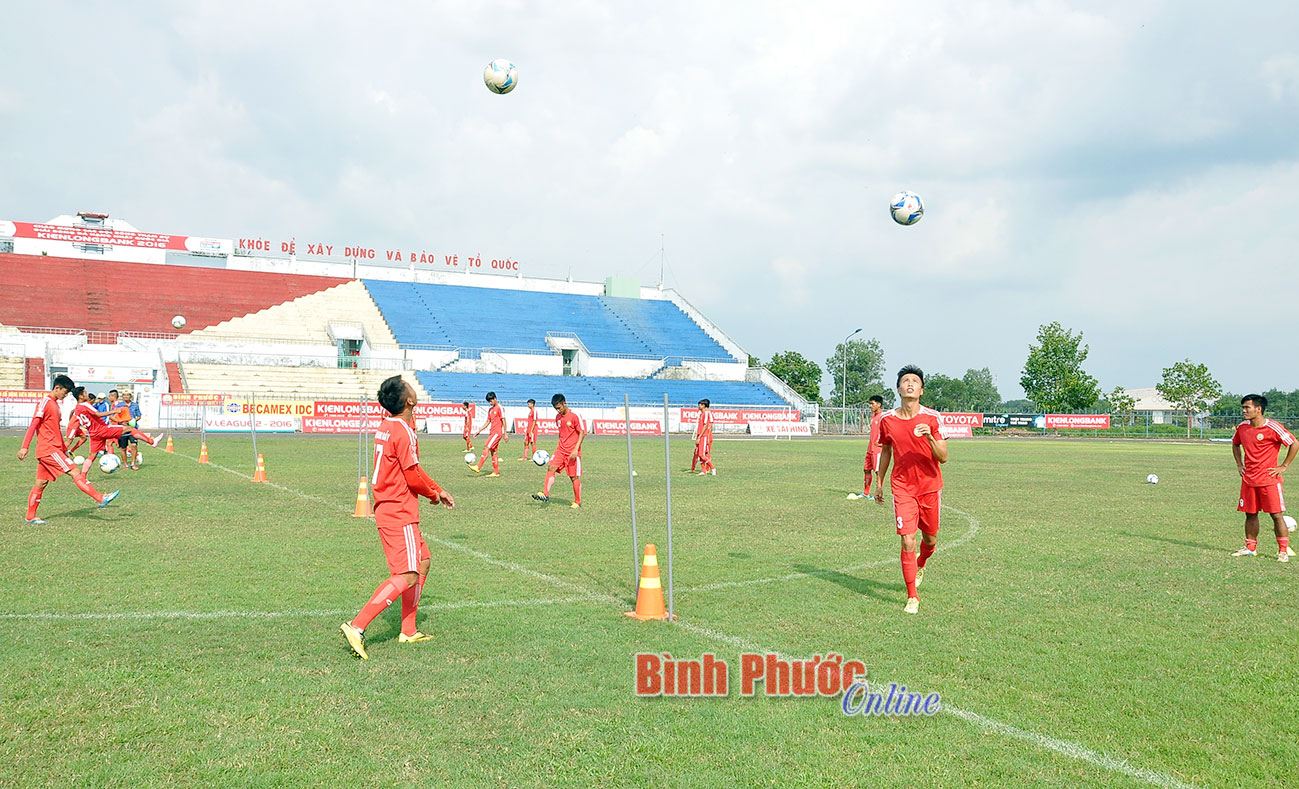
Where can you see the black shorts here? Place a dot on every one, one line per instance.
(125, 439)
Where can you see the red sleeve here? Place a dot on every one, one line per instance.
(937, 428)
(1235, 437)
(421, 483)
(884, 435)
(36, 421)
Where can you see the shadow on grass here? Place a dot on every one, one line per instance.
(852, 583)
(1186, 543)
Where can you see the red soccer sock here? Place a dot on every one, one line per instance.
(577, 491)
(388, 591)
(496, 464)
(694, 459)
(410, 606)
(925, 552)
(1282, 543)
(1251, 544)
(550, 480)
(868, 483)
(33, 501)
(85, 487)
(141, 436)
(909, 573)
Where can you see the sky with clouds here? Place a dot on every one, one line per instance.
(1130, 169)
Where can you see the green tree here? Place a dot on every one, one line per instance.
(981, 393)
(1190, 387)
(864, 371)
(1053, 375)
(943, 393)
(754, 361)
(1121, 404)
(1017, 406)
(802, 374)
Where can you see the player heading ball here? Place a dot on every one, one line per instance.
(912, 442)
(398, 483)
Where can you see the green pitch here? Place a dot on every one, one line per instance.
(1081, 626)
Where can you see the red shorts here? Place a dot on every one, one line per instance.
(403, 547)
(872, 462)
(494, 441)
(569, 463)
(530, 439)
(1262, 498)
(703, 449)
(912, 512)
(53, 466)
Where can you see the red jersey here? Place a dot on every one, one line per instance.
(395, 450)
(874, 447)
(570, 427)
(915, 469)
(88, 421)
(469, 421)
(530, 431)
(45, 427)
(702, 424)
(496, 418)
(1260, 445)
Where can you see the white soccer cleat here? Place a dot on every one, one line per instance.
(1245, 552)
(1282, 557)
(920, 576)
(913, 605)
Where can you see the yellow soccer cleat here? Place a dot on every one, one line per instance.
(913, 605)
(575, 506)
(493, 474)
(414, 638)
(355, 640)
(920, 576)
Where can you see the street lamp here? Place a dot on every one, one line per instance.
(843, 392)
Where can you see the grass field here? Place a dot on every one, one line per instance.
(1081, 626)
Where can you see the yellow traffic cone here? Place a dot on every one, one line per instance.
(649, 598)
(362, 501)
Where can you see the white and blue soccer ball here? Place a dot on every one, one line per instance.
(109, 463)
(1153, 479)
(907, 208)
(178, 322)
(541, 457)
(1289, 522)
(78, 460)
(470, 458)
(500, 76)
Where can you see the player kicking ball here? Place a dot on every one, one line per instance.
(52, 456)
(86, 421)
(1260, 439)
(911, 441)
(568, 455)
(397, 484)
(496, 421)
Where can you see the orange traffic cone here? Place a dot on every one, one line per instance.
(260, 474)
(362, 501)
(649, 598)
(202, 453)
(169, 448)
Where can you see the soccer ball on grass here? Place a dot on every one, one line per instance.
(541, 457)
(470, 458)
(109, 463)
(1153, 479)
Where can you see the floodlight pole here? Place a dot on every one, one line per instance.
(631, 488)
(843, 391)
(667, 459)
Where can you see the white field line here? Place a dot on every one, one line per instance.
(966, 536)
(304, 614)
(1066, 748)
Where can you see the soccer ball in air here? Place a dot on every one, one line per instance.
(78, 460)
(907, 208)
(541, 457)
(1289, 522)
(178, 321)
(109, 463)
(470, 458)
(501, 76)
(1153, 479)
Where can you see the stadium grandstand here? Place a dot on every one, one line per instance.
(285, 326)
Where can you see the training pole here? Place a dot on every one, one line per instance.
(252, 427)
(631, 488)
(667, 459)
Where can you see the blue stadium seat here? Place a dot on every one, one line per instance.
(516, 389)
(461, 316)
